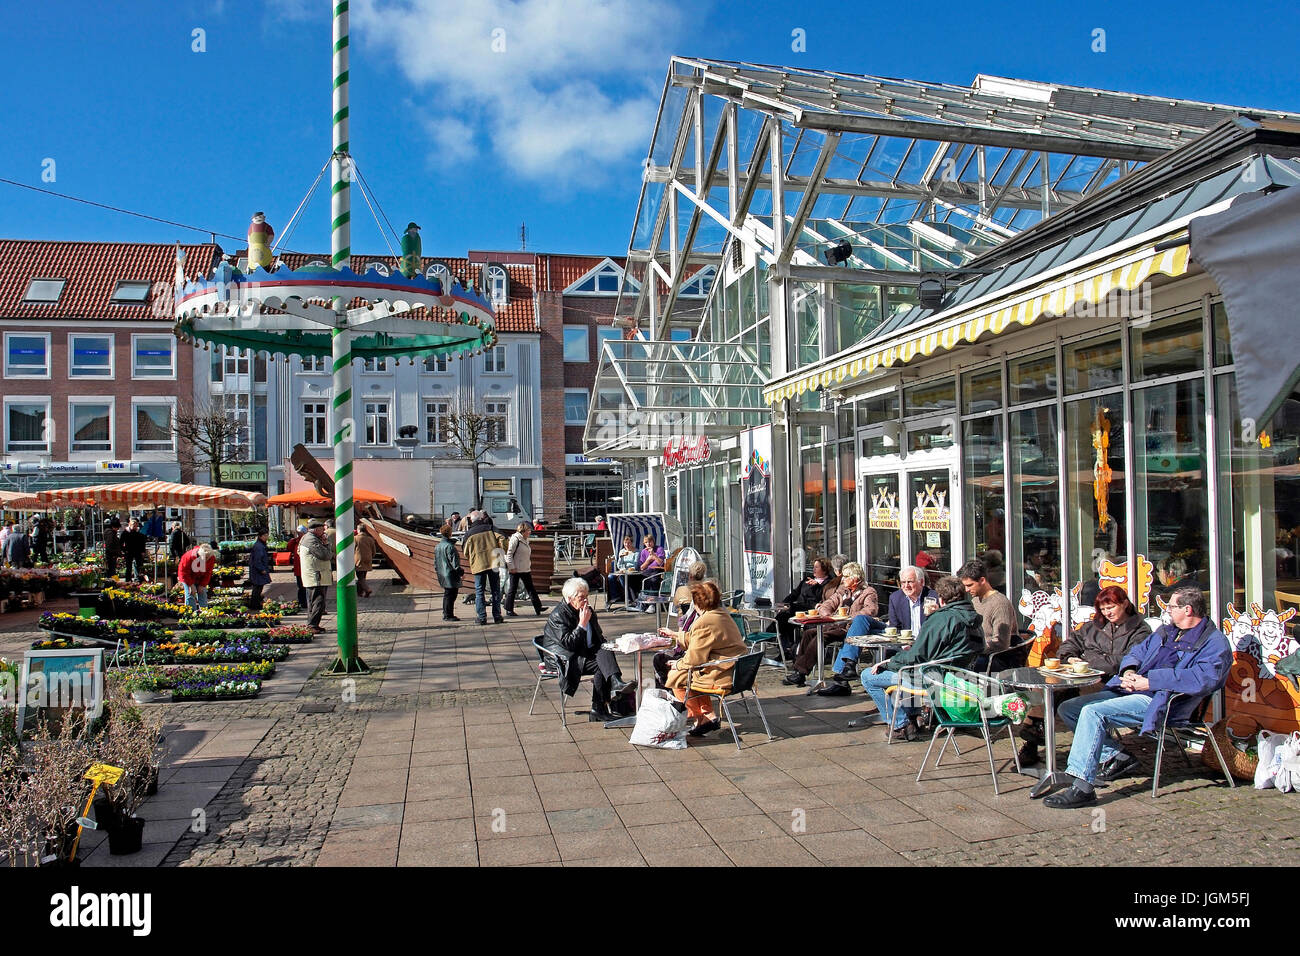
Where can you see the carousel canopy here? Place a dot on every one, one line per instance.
(310, 497)
(163, 494)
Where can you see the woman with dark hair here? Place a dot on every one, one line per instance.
(712, 636)
(1102, 642)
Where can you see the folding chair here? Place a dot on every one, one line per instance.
(765, 636)
(742, 682)
(956, 698)
(1196, 724)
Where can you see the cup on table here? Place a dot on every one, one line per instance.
(1052, 663)
(893, 632)
(842, 612)
(930, 605)
(1080, 667)
(904, 636)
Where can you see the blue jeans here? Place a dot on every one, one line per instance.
(875, 684)
(1094, 718)
(849, 653)
(492, 579)
(196, 596)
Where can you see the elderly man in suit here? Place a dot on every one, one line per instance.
(907, 612)
(574, 635)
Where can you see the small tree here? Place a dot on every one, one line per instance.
(470, 433)
(209, 436)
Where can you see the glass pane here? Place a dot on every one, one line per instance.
(1171, 503)
(1095, 463)
(848, 499)
(930, 398)
(938, 435)
(806, 299)
(153, 426)
(90, 428)
(813, 488)
(981, 391)
(931, 519)
(27, 427)
(1033, 378)
(1222, 338)
(1094, 364)
(91, 355)
(1168, 347)
(153, 355)
(1035, 517)
(27, 354)
(857, 313)
(985, 515)
(575, 344)
(882, 532)
(882, 410)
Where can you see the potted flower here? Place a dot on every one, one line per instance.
(129, 741)
(145, 685)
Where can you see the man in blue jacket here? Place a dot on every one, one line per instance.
(1189, 656)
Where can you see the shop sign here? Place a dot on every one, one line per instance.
(244, 472)
(113, 466)
(575, 459)
(931, 512)
(756, 513)
(680, 452)
(497, 486)
(883, 514)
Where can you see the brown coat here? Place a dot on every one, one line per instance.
(713, 636)
(366, 547)
(864, 602)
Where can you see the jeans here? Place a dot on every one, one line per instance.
(492, 579)
(196, 595)
(875, 684)
(1094, 718)
(849, 653)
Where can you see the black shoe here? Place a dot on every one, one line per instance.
(699, 730)
(599, 716)
(482, 622)
(446, 618)
(620, 687)
(1028, 754)
(1069, 799)
(849, 675)
(498, 620)
(1125, 765)
(794, 679)
(906, 732)
(540, 609)
(511, 614)
(835, 688)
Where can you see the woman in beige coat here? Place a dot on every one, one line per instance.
(712, 636)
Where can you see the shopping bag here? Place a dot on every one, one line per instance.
(1269, 760)
(1287, 757)
(661, 722)
(960, 699)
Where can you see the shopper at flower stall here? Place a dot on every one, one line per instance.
(296, 564)
(195, 572)
(259, 569)
(18, 550)
(134, 548)
(112, 547)
(314, 555)
(179, 542)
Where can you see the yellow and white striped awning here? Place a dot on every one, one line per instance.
(1091, 285)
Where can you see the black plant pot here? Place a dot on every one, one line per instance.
(106, 814)
(126, 837)
(151, 785)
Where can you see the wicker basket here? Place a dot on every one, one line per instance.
(1241, 765)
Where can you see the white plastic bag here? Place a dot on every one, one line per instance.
(1287, 759)
(1269, 762)
(659, 722)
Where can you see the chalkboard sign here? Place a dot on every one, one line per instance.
(54, 683)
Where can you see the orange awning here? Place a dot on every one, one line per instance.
(308, 496)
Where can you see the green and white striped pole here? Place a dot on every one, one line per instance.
(344, 427)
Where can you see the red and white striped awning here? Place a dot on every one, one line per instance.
(18, 501)
(142, 494)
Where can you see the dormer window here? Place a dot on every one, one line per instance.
(131, 292)
(498, 286)
(441, 273)
(44, 290)
(604, 279)
(698, 286)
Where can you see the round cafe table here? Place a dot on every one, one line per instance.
(1032, 678)
(820, 623)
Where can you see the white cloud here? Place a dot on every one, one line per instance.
(550, 86)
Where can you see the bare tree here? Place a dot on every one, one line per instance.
(469, 433)
(209, 436)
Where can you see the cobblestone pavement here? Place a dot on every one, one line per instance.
(434, 759)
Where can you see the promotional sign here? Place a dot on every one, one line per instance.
(497, 486)
(244, 472)
(756, 492)
(58, 681)
(680, 452)
(883, 514)
(931, 512)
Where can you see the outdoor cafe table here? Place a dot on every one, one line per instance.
(1032, 678)
(661, 643)
(876, 644)
(819, 623)
(628, 578)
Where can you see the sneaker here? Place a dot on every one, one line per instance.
(1068, 799)
(1125, 765)
(794, 679)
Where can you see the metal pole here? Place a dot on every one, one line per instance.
(344, 427)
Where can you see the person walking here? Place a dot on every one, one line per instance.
(485, 548)
(519, 564)
(314, 556)
(134, 548)
(446, 561)
(366, 547)
(42, 538)
(259, 569)
(195, 572)
(18, 549)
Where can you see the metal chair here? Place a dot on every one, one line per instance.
(767, 636)
(1006, 655)
(952, 704)
(550, 667)
(742, 682)
(1195, 724)
(731, 599)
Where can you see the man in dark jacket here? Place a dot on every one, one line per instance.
(906, 612)
(259, 569)
(18, 549)
(112, 546)
(1189, 656)
(953, 634)
(573, 633)
(485, 549)
(134, 547)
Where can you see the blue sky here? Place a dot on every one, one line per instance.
(466, 139)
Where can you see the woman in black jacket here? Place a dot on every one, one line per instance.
(806, 596)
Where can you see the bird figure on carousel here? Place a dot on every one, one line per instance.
(410, 263)
(260, 235)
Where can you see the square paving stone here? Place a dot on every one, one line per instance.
(914, 836)
(777, 851)
(724, 805)
(709, 856)
(639, 814)
(737, 829)
(591, 843)
(509, 802)
(507, 825)
(359, 818)
(637, 792)
(518, 850)
(448, 854)
(879, 813)
(582, 820)
(609, 862)
(573, 800)
(854, 847)
(784, 801)
(663, 836)
(438, 831)
(813, 820)
(379, 836)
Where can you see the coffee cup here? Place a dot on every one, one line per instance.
(842, 612)
(1080, 667)
(904, 636)
(891, 632)
(1052, 663)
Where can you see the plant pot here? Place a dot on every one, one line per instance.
(151, 696)
(127, 837)
(106, 814)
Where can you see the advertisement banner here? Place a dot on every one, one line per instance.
(931, 512)
(883, 514)
(756, 493)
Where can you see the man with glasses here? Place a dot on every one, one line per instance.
(1188, 656)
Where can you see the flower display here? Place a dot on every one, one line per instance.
(210, 689)
(290, 634)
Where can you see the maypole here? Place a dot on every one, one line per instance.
(344, 427)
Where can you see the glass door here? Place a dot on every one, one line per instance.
(930, 504)
(883, 552)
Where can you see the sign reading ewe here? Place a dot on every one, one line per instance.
(1259, 640)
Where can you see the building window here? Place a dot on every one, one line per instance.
(27, 425)
(575, 406)
(377, 423)
(90, 425)
(90, 356)
(377, 266)
(604, 335)
(498, 416)
(44, 290)
(494, 359)
(699, 285)
(374, 365)
(498, 286)
(441, 273)
(153, 427)
(238, 405)
(27, 356)
(130, 292)
(153, 356)
(435, 363)
(437, 422)
(314, 424)
(315, 363)
(236, 362)
(575, 344)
